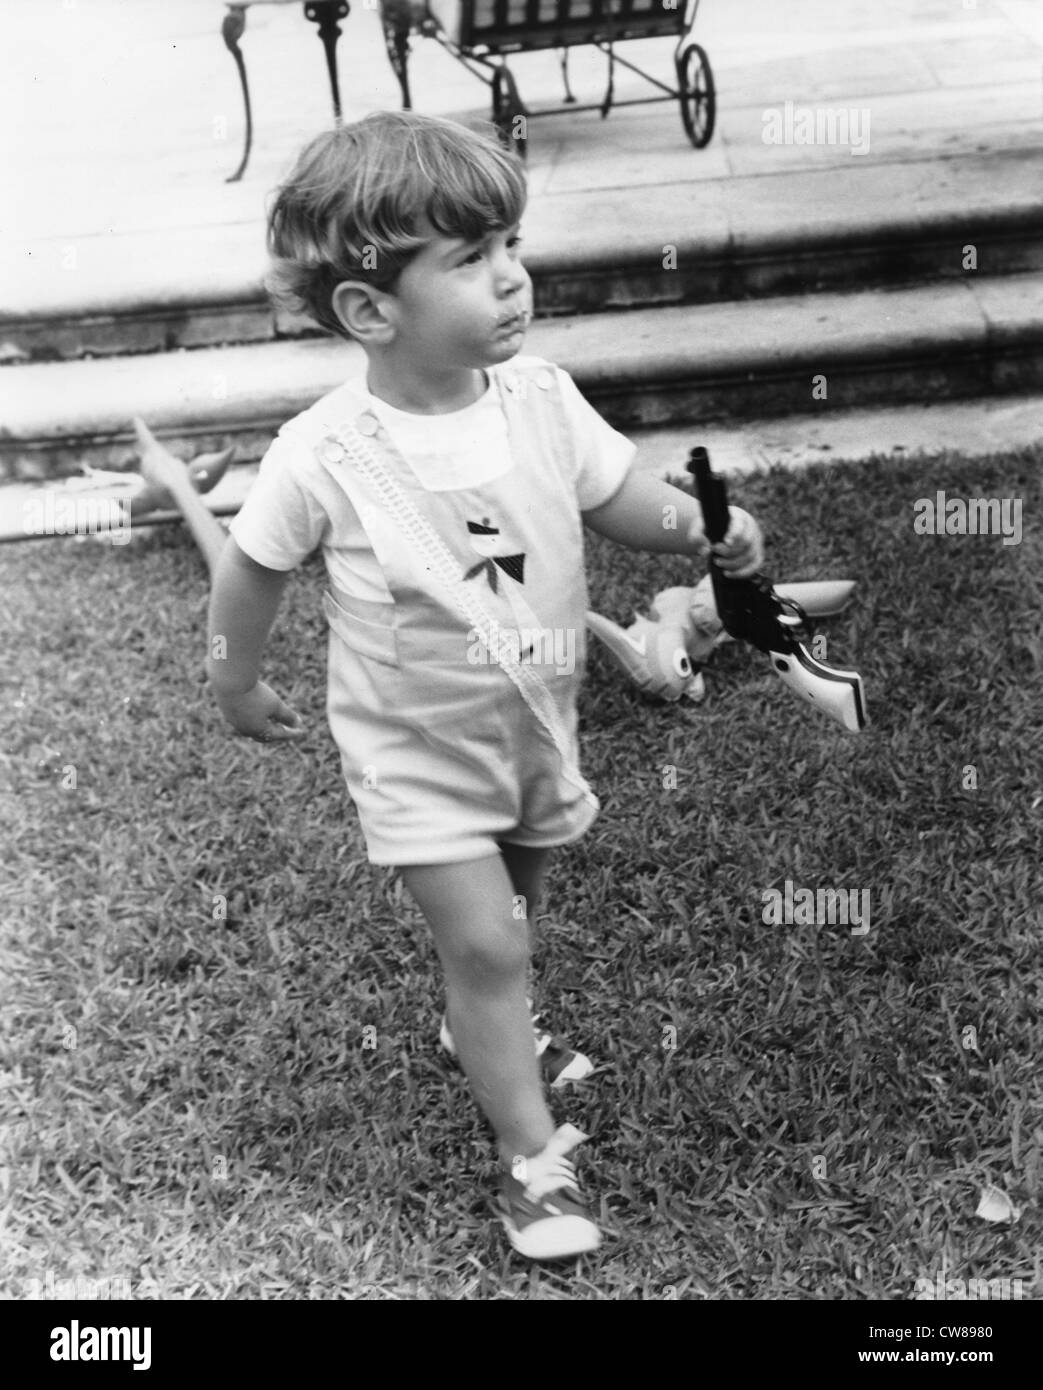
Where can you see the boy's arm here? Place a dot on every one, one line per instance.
(244, 600)
(649, 514)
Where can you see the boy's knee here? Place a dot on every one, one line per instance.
(496, 956)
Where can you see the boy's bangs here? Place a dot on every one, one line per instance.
(362, 201)
(470, 199)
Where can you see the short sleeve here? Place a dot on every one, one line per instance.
(603, 455)
(281, 522)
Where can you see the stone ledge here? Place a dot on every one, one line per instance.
(974, 428)
(758, 235)
(642, 367)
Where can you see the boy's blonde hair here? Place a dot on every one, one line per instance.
(354, 205)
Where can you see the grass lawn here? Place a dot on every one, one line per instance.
(255, 1106)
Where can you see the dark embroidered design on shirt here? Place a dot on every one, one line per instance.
(482, 537)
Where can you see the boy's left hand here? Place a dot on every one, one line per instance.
(741, 553)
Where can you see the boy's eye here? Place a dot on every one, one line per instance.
(474, 256)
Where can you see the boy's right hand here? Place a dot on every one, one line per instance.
(260, 714)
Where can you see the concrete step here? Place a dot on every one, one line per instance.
(676, 365)
(796, 231)
(974, 428)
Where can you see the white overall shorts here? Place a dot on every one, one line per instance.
(443, 755)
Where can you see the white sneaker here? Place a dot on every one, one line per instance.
(541, 1206)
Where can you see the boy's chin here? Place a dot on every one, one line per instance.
(509, 346)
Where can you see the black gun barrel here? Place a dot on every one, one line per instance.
(748, 608)
(713, 495)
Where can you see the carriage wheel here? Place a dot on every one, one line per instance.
(697, 97)
(507, 108)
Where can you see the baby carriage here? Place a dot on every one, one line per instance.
(481, 34)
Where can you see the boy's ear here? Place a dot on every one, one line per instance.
(363, 310)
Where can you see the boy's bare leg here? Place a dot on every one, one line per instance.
(468, 907)
(528, 869)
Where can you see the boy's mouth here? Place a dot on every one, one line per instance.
(513, 322)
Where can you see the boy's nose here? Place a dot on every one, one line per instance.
(514, 286)
(511, 275)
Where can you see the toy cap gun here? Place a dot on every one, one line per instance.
(752, 611)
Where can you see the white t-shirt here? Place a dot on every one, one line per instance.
(295, 505)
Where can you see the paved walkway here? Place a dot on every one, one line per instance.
(129, 116)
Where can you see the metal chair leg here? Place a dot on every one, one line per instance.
(396, 20)
(326, 13)
(563, 59)
(232, 28)
(610, 90)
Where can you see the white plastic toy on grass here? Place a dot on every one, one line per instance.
(103, 503)
(777, 621)
(171, 483)
(146, 490)
(663, 653)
